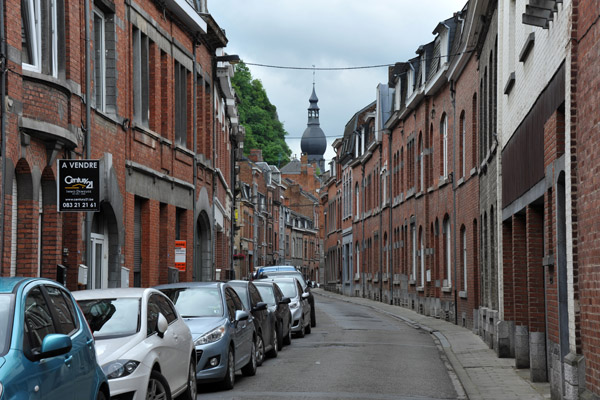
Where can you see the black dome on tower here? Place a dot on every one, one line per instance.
(313, 142)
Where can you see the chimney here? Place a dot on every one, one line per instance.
(304, 159)
(256, 155)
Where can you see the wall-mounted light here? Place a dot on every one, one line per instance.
(126, 124)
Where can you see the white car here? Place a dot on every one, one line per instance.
(142, 344)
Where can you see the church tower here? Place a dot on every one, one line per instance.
(313, 142)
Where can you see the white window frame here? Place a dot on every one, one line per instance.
(36, 37)
(414, 251)
(448, 253)
(444, 133)
(464, 250)
(100, 56)
(464, 145)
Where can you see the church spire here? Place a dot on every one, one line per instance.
(313, 142)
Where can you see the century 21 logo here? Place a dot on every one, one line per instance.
(78, 183)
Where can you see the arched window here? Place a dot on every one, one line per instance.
(420, 164)
(463, 259)
(447, 253)
(357, 200)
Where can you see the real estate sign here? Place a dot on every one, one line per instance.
(78, 185)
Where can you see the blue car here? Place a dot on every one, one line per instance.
(222, 329)
(46, 347)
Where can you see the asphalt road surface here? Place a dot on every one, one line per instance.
(353, 353)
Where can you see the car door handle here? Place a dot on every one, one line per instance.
(68, 360)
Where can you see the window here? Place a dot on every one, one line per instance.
(38, 321)
(447, 253)
(444, 134)
(141, 78)
(413, 244)
(39, 36)
(181, 103)
(464, 257)
(104, 61)
(63, 310)
(463, 144)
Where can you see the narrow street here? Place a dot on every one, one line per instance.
(353, 353)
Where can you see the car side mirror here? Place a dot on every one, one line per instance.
(162, 325)
(54, 344)
(241, 315)
(261, 305)
(285, 300)
(305, 295)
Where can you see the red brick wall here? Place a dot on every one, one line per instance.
(586, 199)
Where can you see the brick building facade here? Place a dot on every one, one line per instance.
(162, 123)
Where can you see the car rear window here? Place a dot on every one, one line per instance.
(112, 318)
(196, 302)
(266, 292)
(288, 288)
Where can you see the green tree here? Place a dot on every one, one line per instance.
(259, 117)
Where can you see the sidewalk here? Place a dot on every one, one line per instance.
(482, 374)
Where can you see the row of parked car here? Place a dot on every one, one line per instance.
(144, 343)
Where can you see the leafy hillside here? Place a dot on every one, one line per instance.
(263, 129)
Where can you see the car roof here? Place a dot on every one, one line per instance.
(277, 279)
(9, 284)
(181, 285)
(111, 293)
(277, 268)
(239, 282)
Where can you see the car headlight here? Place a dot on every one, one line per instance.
(212, 336)
(294, 305)
(119, 368)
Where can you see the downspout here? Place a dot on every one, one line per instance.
(453, 96)
(391, 277)
(195, 161)
(380, 225)
(88, 142)
(233, 200)
(214, 164)
(3, 62)
(362, 217)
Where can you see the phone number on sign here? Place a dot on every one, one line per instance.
(78, 204)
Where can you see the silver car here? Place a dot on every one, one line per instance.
(299, 304)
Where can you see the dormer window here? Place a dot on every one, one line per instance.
(444, 47)
(398, 95)
(410, 82)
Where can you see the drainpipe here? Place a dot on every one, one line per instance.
(3, 62)
(88, 141)
(194, 162)
(380, 225)
(362, 217)
(453, 96)
(391, 277)
(214, 163)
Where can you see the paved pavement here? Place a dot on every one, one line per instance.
(481, 373)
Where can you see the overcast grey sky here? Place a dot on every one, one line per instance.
(326, 33)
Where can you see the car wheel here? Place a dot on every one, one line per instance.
(260, 350)
(250, 368)
(274, 343)
(288, 338)
(313, 318)
(101, 395)
(192, 388)
(229, 380)
(158, 387)
(308, 329)
(301, 331)
(279, 337)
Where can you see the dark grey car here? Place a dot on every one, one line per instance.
(278, 304)
(264, 321)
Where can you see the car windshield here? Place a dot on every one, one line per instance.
(266, 292)
(242, 291)
(196, 302)
(5, 311)
(112, 318)
(288, 288)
